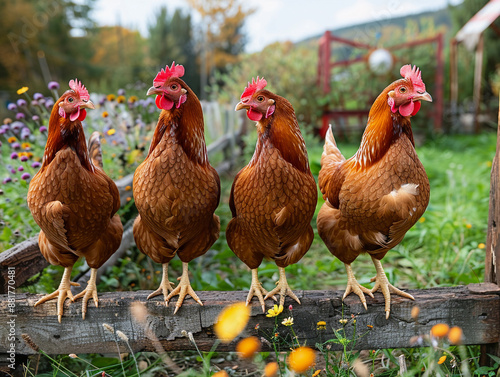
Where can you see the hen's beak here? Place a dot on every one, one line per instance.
(87, 104)
(423, 97)
(241, 106)
(154, 90)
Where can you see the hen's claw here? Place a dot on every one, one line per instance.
(282, 288)
(88, 292)
(256, 289)
(183, 289)
(382, 283)
(356, 288)
(165, 287)
(63, 292)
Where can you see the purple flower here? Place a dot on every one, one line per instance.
(34, 103)
(35, 118)
(14, 156)
(53, 85)
(37, 96)
(21, 102)
(20, 168)
(7, 180)
(24, 158)
(102, 100)
(20, 116)
(36, 164)
(16, 145)
(121, 92)
(13, 171)
(2, 131)
(49, 103)
(16, 126)
(26, 176)
(12, 106)
(42, 129)
(25, 133)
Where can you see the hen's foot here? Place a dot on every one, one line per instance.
(166, 286)
(356, 288)
(382, 283)
(61, 293)
(183, 289)
(89, 291)
(256, 289)
(282, 288)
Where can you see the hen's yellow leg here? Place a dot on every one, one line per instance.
(256, 289)
(166, 286)
(89, 291)
(183, 289)
(61, 293)
(354, 287)
(382, 283)
(282, 288)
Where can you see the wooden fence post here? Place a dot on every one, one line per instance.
(492, 268)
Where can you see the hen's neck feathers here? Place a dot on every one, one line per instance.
(282, 132)
(382, 129)
(186, 125)
(64, 133)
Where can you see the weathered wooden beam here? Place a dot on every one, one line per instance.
(475, 308)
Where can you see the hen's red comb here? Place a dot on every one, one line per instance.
(165, 74)
(254, 86)
(414, 75)
(80, 89)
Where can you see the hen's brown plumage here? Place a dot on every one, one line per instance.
(375, 197)
(273, 198)
(74, 202)
(176, 192)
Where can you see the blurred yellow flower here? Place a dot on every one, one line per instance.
(440, 330)
(468, 226)
(7, 121)
(12, 139)
(105, 114)
(128, 188)
(275, 311)
(455, 335)
(442, 359)
(132, 99)
(110, 97)
(120, 99)
(248, 347)
(24, 89)
(488, 164)
(231, 321)
(271, 369)
(421, 220)
(221, 373)
(321, 325)
(287, 321)
(301, 359)
(25, 145)
(111, 131)
(481, 246)
(316, 373)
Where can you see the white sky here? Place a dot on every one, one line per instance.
(274, 20)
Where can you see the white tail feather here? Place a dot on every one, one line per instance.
(330, 149)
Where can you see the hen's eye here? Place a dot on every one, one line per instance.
(260, 98)
(173, 87)
(70, 99)
(402, 89)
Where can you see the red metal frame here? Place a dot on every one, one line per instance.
(325, 65)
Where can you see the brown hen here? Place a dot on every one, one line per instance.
(273, 198)
(72, 200)
(376, 196)
(176, 190)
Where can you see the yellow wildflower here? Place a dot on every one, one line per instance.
(128, 188)
(105, 114)
(221, 373)
(110, 97)
(321, 325)
(421, 220)
(231, 321)
(442, 359)
(301, 359)
(111, 131)
(440, 330)
(120, 99)
(455, 335)
(468, 226)
(481, 246)
(316, 373)
(287, 321)
(24, 89)
(248, 347)
(133, 99)
(275, 311)
(343, 321)
(271, 369)
(12, 139)
(7, 121)
(25, 145)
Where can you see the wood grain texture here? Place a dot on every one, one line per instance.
(477, 314)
